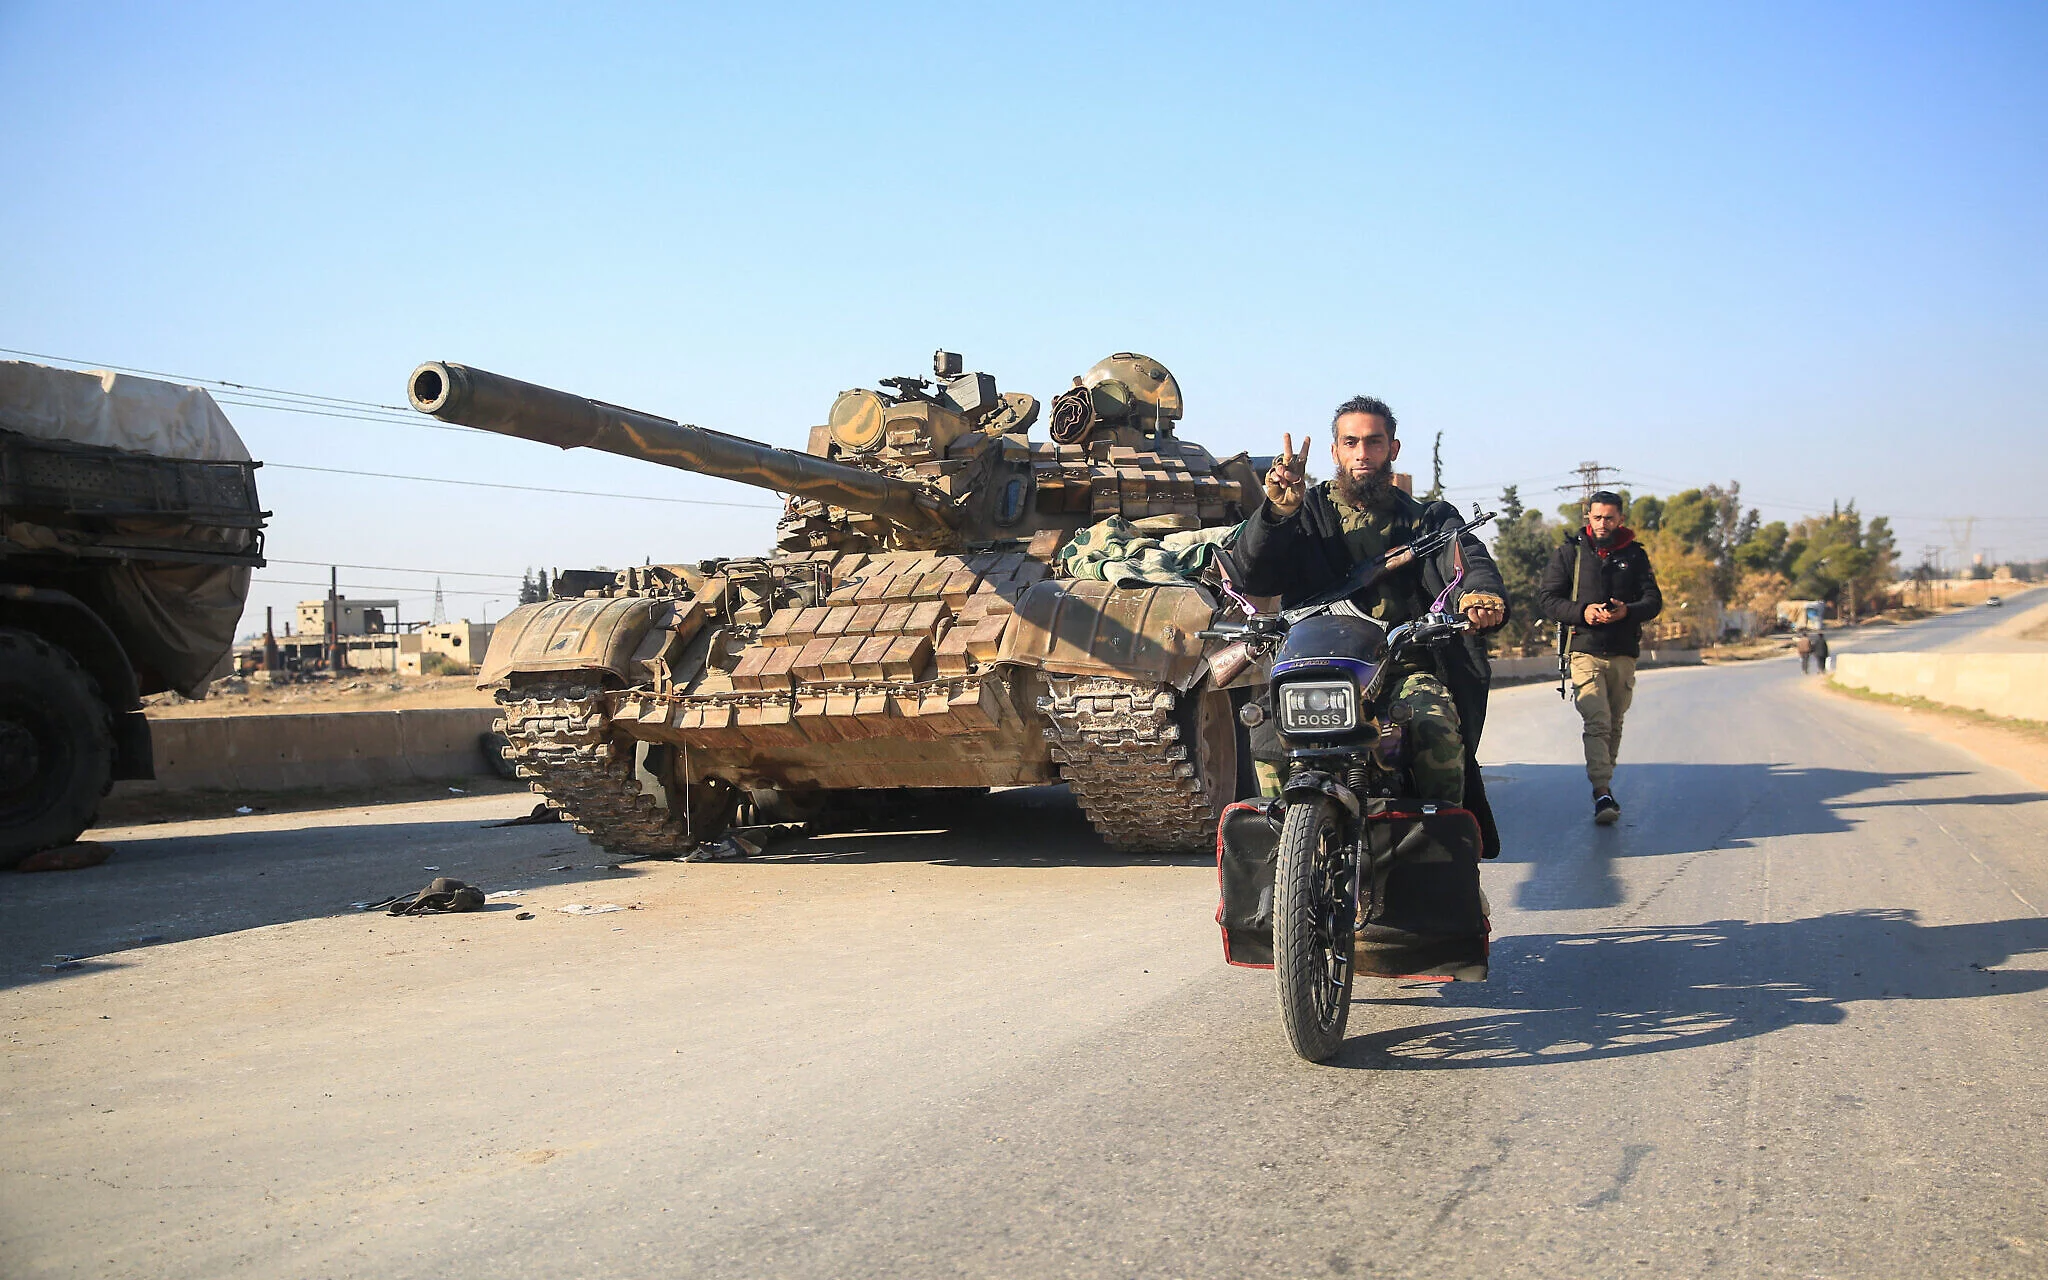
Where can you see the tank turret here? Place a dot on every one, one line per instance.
(936, 463)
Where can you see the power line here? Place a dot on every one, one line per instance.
(526, 488)
(215, 382)
(416, 592)
(415, 420)
(397, 568)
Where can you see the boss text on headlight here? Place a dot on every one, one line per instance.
(1318, 706)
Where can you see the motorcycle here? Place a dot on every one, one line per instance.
(1353, 859)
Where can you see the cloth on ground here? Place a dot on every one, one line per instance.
(442, 894)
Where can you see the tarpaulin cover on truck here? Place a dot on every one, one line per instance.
(176, 619)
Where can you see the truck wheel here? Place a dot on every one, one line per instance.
(56, 746)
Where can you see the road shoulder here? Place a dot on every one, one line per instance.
(2020, 748)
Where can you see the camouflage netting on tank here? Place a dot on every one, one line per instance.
(1116, 550)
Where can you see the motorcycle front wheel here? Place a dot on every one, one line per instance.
(1312, 929)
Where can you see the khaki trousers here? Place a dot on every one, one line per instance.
(1602, 688)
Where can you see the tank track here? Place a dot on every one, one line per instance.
(1126, 761)
(559, 741)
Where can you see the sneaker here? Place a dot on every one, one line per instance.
(1606, 808)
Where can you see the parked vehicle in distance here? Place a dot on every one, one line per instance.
(1993, 601)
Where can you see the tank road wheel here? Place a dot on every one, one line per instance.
(561, 740)
(1151, 768)
(56, 746)
(1312, 930)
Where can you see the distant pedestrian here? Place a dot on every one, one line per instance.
(1803, 643)
(1600, 588)
(1820, 652)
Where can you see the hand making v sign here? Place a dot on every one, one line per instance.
(1285, 479)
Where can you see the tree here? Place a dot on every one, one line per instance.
(1436, 471)
(1521, 550)
(1691, 583)
(532, 590)
(1759, 591)
(1764, 549)
(1838, 559)
(1646, 515)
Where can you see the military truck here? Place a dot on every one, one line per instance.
(907, 631)
(129, 523)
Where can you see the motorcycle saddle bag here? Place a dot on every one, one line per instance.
(1247, 849)
(1427, 917)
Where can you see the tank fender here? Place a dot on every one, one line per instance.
(594, 635)
(63, 619)
(1085, 627)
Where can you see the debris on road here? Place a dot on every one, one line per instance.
(59, 963)
(541, 813)
(585, 909)
(732, 846)
(524, 915)
(442, 895)
(67, 857)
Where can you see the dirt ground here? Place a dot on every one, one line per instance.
(364, 691)
(2021, 749)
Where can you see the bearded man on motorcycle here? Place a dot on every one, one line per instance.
(1303, 541)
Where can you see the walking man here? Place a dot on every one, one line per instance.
(1820, 652)
(1600, 588)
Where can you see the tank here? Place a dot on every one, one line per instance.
(907, 631)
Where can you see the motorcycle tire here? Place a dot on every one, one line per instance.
(1312, 931)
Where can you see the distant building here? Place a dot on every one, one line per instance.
(355, 617)
(372, 639)
(459, 643)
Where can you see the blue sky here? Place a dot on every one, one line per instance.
(1796, 245)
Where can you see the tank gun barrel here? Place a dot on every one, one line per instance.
(471, 397)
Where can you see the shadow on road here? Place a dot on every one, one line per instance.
(1024, 827)
(1545, 816)
(1621, 992)
(167, 884)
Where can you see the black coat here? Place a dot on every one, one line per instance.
(1304, 554)
(1623, 574)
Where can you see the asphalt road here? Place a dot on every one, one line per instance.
(1965, 628)
(1784, 1020)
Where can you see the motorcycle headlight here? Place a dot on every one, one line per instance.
(1318, 706)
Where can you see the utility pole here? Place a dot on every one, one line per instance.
(269, 640)
(336, 663)
(1592, 479)
(440, 609)
(1961, 533)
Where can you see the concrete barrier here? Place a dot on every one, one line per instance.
(2003, 684)
(326, 749)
